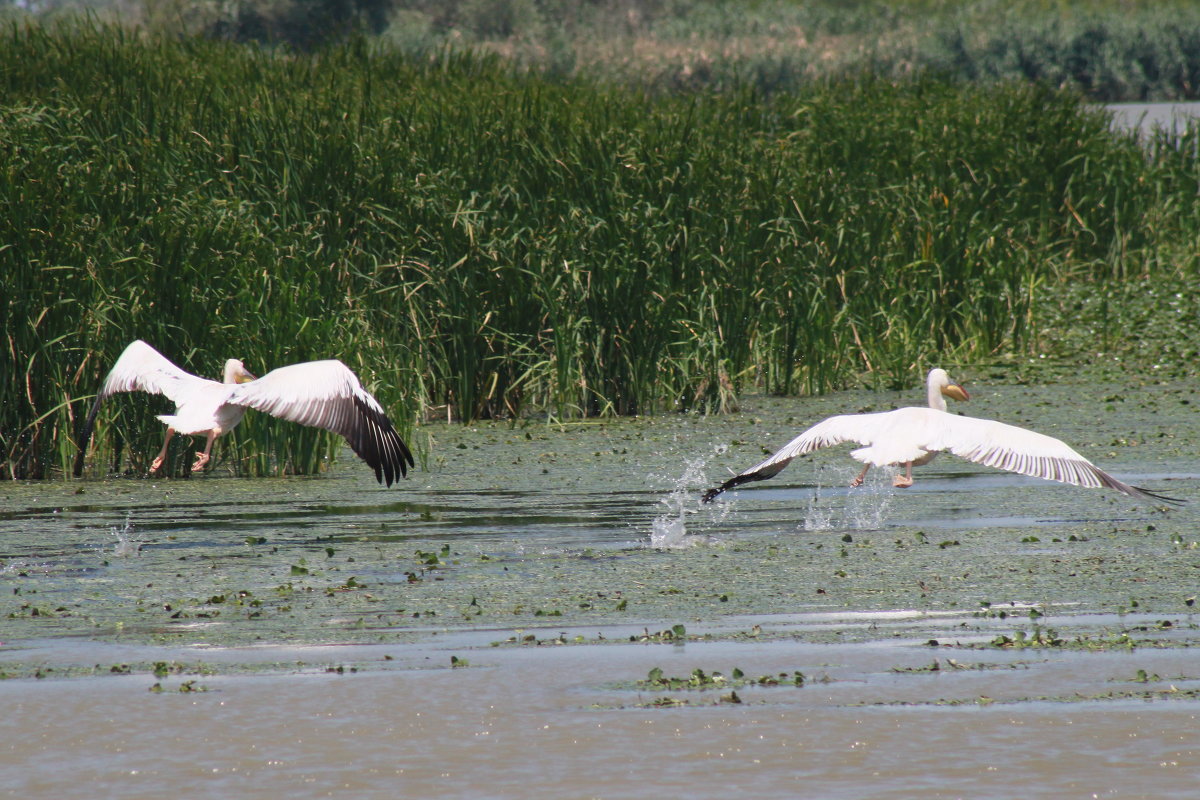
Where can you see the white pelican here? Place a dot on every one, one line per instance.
(323, 394)
(913, 436)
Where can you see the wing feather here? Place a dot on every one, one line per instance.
(140, 368)
(906, 433)
(1026, 452)
(860, 428)
(327, 394)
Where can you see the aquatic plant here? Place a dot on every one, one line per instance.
(657, 680)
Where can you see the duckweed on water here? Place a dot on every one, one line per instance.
(951, 664)
(700, 680)
(1168, 693)
(215, 566)
(1048, 638)
(676, 633)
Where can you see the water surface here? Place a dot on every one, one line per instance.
(481, 630)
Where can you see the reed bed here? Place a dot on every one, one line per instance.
(1109, 50)
(480, 241)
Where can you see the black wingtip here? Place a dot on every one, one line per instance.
(1175, 501)
(378, 444)
(398, 459)
(736, 480)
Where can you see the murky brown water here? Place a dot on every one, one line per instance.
(544, 722)
(981, 635)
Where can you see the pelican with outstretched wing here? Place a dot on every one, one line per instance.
(910, 437)
(322, 394)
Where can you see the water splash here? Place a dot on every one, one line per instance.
(861, 508)
(128, 543)
(670, 529)
(17, 566)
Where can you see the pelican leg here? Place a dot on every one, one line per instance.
(156, 465)
(202, 459)
(861, 477)
(905, 480)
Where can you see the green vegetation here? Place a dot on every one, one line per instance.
(1048, 638)
(1108, 49)
(481, 241)
(699, 679)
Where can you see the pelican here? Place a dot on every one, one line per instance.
(322, 394)
(910, 437)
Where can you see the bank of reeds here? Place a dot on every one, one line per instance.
(1109, 50)
(482, 242)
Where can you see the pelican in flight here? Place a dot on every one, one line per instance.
(322, 394)
(912, 436)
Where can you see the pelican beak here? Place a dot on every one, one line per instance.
(246, 376)
(956, 391)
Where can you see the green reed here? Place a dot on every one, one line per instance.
(1110, 50)
(477, 241)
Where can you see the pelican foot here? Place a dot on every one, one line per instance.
(901, 482)
(155, 465)
(201, 460)
(856, 482)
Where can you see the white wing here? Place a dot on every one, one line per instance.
(861, 428)
(906, 434)
(141, 368)
(327, 394)
(1007, 447)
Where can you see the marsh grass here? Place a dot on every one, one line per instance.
(1110, 50)
(480, 241)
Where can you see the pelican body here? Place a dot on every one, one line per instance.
(323, 394)
(913, 436)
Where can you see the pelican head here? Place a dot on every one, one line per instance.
(940, 384)
(236, 372)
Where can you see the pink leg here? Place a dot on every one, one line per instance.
(861, 477)
(156, 465)
(905, 480)
(202, 459)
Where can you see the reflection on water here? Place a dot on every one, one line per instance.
(303, 633)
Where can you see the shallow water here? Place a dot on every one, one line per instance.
(1173, 118)
(978, 635)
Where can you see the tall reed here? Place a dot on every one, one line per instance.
(1110, 50)
(479, 241)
